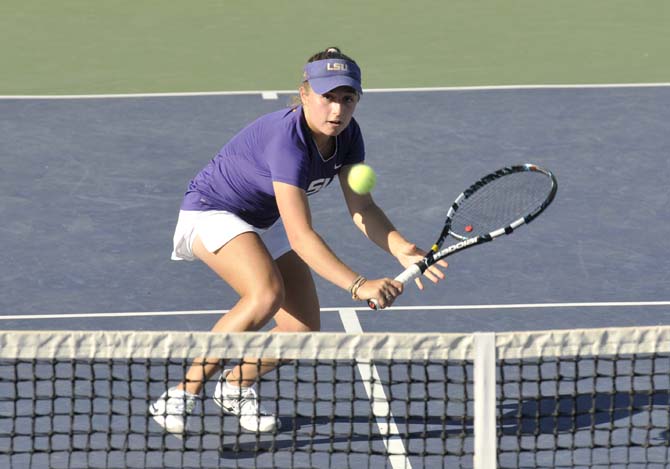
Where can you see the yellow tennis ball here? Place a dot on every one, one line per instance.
(362, 178)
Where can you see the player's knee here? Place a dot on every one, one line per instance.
(266, 301)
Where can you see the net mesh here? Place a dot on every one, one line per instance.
(592, 398)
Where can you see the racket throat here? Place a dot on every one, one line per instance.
(423, 264)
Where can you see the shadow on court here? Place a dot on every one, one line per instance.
(589, 420)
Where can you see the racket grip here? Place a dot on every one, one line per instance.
(410, 273)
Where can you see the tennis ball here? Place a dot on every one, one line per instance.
(362, 178)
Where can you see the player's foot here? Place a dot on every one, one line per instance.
(243, 402)
(171, 410)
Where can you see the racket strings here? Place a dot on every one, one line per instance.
(500, 202)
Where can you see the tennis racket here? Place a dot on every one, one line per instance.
(495, 205)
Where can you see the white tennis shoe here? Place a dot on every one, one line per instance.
(172, 409)
(243, 402)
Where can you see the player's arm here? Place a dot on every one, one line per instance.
(374, 223)
(297, 219)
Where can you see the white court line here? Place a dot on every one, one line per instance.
(270, 94)
(612, 304)
(375, 391)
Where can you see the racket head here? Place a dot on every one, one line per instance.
(500, 202)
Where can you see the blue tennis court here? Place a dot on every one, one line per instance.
(92, 189)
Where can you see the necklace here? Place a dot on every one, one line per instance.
(330, 148)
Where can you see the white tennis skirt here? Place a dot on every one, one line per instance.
(216, 227)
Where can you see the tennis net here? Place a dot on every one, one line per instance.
(575, 398)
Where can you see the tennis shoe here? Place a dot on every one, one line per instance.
(171, 410)
(243, 402)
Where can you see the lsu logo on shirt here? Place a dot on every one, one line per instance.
(318, 184)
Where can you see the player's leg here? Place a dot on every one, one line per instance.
(234, 250)
(299, 312)
(245, 264)
(235, 392)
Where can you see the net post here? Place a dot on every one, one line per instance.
(485, 429)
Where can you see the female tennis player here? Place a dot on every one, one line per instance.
(246, 216)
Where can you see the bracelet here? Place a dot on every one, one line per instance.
(353, 289)
(353, 284)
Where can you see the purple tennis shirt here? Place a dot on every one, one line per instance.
(275, 147)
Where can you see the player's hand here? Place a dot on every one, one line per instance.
(384, 290)
(412, 254)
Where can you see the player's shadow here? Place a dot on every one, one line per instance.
(530, 416)
(304, 434)
(568, 413)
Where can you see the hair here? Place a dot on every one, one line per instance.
(332, 52)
